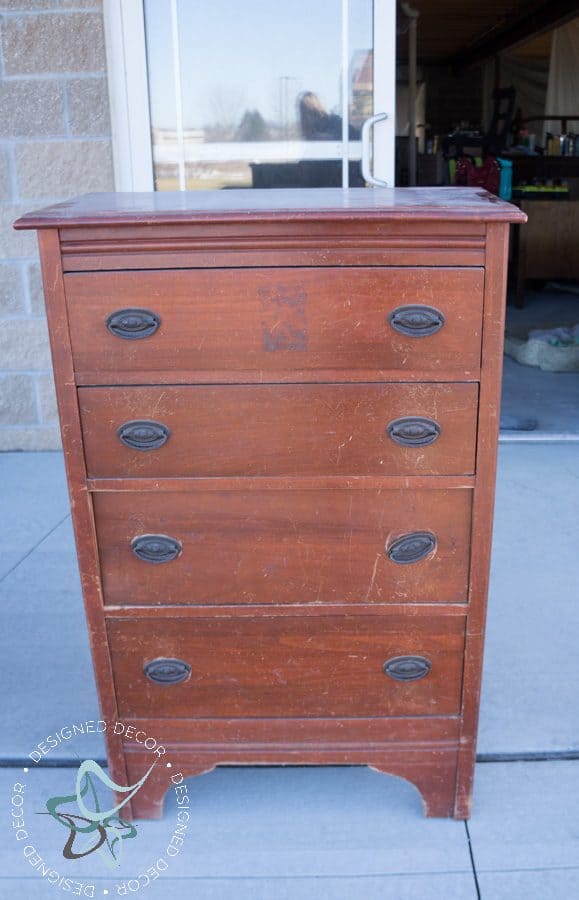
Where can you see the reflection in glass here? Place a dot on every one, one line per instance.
(260, 86)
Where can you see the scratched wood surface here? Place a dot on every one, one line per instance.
(272, 320)
(261, 430)
(284, 546)
(288, 667)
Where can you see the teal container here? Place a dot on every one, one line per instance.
(506, 182)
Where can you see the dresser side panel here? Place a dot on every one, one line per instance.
(80, 498)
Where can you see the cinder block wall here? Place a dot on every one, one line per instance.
(54, 143)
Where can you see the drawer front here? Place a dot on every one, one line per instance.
(284, 546)
(360, 429)
(280, 321)
(287, 666)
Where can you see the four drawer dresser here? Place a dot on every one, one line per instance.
(279, 413)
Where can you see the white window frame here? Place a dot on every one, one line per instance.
(124, 22)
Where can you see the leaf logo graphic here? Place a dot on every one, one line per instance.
(108, 829)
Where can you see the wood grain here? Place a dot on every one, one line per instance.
(325, 666)
(266, 430)
(274, 321)
(80, 498)
(284, 547)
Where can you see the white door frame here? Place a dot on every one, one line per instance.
(124, 22)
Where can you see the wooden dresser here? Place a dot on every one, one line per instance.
(279, 412)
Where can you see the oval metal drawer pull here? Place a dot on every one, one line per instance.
(416, 320)
(413, 431)
(411, 548)
(407, 668)
(140, 434)
(156, 548)
(133, 324)
(167, 671)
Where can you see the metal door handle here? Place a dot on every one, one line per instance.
(366, 167)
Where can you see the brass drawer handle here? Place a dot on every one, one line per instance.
(133, 324)
(156, 548)
(140, 434)
(413, 431)
(167, 671)
(407, 668)
(416, 320)
(412, 547)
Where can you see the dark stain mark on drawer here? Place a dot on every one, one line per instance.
(284, 323)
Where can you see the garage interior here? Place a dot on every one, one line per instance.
(500, 81)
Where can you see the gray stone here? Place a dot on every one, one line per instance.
(24, 345)
(17, 400)
(35, 290)
(11, 289)
(5, 179)
(63, 168)
(16, 5)
(32, 108)
(15, 243)
(47, 399)
(88, 4)
(88, 106)
(34, 44)
(39, 437)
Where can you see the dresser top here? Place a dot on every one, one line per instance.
(180, 207)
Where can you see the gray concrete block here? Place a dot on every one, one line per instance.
(15, 243)
(88, 106)
(47, 399)
(12, 298)
(16, 5)
(35, 291)
(63, 168)
(17, 400)
(24, 345)
(54, 43)
(30, 438)
(32, 108)
(6, 192)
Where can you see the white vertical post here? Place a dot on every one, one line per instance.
(385, 88)
(124, 22)
(345, 93)
(178, 91)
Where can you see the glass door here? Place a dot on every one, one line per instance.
(249, 93)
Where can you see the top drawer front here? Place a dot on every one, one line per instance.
(254, 324)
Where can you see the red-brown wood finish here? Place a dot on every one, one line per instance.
(287, 666)
(277, 373)
(300, 546)
(265, 430)
(275, 320)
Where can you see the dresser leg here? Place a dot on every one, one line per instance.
(433, 774)
(148, 802)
